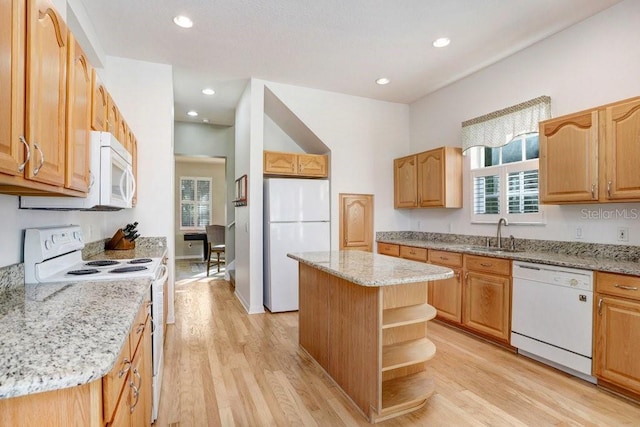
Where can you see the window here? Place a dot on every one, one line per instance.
(195, 203)
(505, 181)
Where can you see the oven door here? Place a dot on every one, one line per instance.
(117, 183)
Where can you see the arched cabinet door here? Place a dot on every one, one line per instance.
(356, 222)
(46, 93)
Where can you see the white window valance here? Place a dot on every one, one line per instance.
(498, 128)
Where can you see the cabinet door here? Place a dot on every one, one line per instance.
(12, 85)
(431, 191)
(569, 159)
(312, 165)
(78, 118)
(277, 163)
(622, 151)
(113, 117)
(486, 301)
(617, 344)
(46, 93)
(356, 221)
(446, 296)
(405, 179)
(99, 103)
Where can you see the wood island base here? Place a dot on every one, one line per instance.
(370, 340)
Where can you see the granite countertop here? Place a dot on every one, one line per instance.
(581, 261)
(370, 269)
(58, 335)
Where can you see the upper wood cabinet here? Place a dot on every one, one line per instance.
(296, 165)
(46, 93)
(429, 179)
(78, 118)
(405, 182)
(99, 103)
(113, 118)
(569, 158)
(588, 157)
(622, 151)
(12, 45)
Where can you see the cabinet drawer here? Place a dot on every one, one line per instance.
(618, 284)
(488, 264)
(138, 327)
(416, 254)
(114, 381)
(388, 249)
(449, 259)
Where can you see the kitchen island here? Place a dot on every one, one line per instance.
(363, 318)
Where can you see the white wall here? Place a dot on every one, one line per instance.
(205, 140)
(363, 135)
(592, 63)
(275, 139)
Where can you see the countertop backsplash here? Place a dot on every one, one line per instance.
(12, 276)
(596, 250)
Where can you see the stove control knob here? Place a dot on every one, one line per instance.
(47, 244)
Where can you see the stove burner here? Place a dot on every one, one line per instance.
(140, 261)
(83, 272)
(102, 263)
(128, 269)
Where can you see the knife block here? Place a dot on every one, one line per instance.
(119, 242)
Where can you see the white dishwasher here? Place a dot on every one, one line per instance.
(552, 316)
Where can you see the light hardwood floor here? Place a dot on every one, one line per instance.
(224, 367)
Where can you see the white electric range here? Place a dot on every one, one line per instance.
(53, 255)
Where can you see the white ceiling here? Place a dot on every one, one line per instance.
(335, 45)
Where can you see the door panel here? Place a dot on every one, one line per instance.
(356, 221)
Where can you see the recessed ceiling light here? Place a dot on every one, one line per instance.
(208, 91)
(383, 81)
(441, 42)
(192, 113)
(205, 120)
(183, 21)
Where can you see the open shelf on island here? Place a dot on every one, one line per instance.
(407, 353)
(405, 393)
(408, 315)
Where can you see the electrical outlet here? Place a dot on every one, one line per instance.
(623, 234)
(578, 233)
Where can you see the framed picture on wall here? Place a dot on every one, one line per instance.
(241, 191)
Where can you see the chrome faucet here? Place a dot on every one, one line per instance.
(499, 234)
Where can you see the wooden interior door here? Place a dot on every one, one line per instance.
(356, 222)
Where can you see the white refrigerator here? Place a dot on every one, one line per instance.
(296, 219)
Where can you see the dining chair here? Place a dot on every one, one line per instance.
(215, 236)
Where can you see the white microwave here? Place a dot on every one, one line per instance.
(111, 185)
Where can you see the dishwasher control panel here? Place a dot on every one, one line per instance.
(554, 275)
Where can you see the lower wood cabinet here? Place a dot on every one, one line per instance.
(123, 397)
(446, 295)
(477, 298)
(486, 296)
(617, 332)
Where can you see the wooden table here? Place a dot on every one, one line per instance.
(363, 318)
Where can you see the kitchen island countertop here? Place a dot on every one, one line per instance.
(370, 269)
